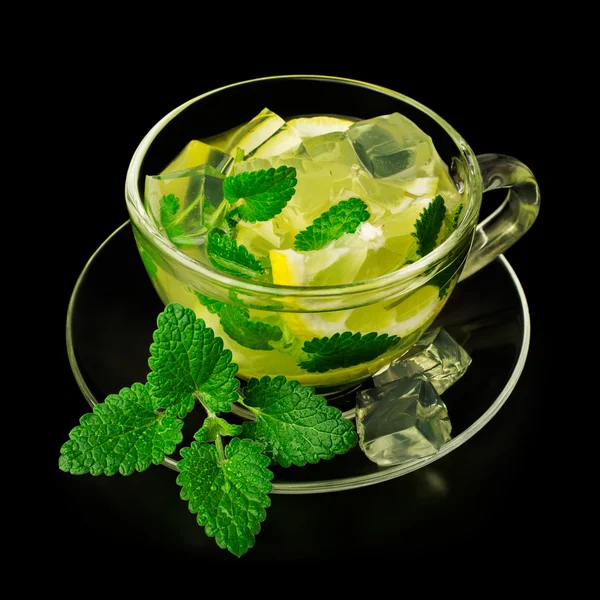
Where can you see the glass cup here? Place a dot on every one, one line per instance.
(396, 308)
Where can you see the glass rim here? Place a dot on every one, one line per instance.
(346, 483)
(142, 220)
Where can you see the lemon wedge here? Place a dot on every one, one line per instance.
(306, 127)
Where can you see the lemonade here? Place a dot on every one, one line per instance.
(311, 202)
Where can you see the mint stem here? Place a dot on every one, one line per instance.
(218, 440)
(220, 451)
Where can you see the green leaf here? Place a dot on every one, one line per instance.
(344, 217)
(188, 361)
(265, 192)
(452, 218)
(149, 264)
(296, 426)
(236, 323)
(124, 433)
(444, 278)
(428, 226)
(214, 426)
(213, 306)
(169, 206)
(229, 498)
(345, 350)
(225, 255)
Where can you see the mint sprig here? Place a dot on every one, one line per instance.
(264, 193)
(227, 486)
(343, 350)
(296, 426)
(226, 255)
(344, 217)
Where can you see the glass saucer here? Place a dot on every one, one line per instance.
(113, 310)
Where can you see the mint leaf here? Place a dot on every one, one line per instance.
(225, 255)
(214, 426)
(169, 206)
(344, 350)
(149, 264)
(452, 218)
(296, 426)
(228, 497)
(444, 278)
(344, 217)
(213, 306)
(265, 192)
(124, 433)
(236, 323)
(189, 362)
(428, 226)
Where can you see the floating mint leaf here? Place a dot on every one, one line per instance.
(214, 426)
(296, 426)
(444, 278)
(229, 498)
(124, 433)
(344, 350)
(169, 206)
(344, 217)
(149, 264)
(453, 217)
(265, 192)
(428, 226)
(236, 323)
(189, 362)
(225, 255)
(213, 306)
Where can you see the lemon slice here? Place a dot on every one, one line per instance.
(301, 268)
(307, 127)
(288, 267)
(416, 310)
(309, 268)
(285, 141)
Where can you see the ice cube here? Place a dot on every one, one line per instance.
(436, 356)
(251, 165)
(392, 146)
(198, 153)
(401, 421)
(184, 204)
(263, 136)
(335, 152)
(311, 199)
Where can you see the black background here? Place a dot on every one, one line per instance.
(100, 115)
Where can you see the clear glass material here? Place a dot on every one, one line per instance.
(108, 339)
(403, 303)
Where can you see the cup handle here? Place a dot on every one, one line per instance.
(509, 222)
